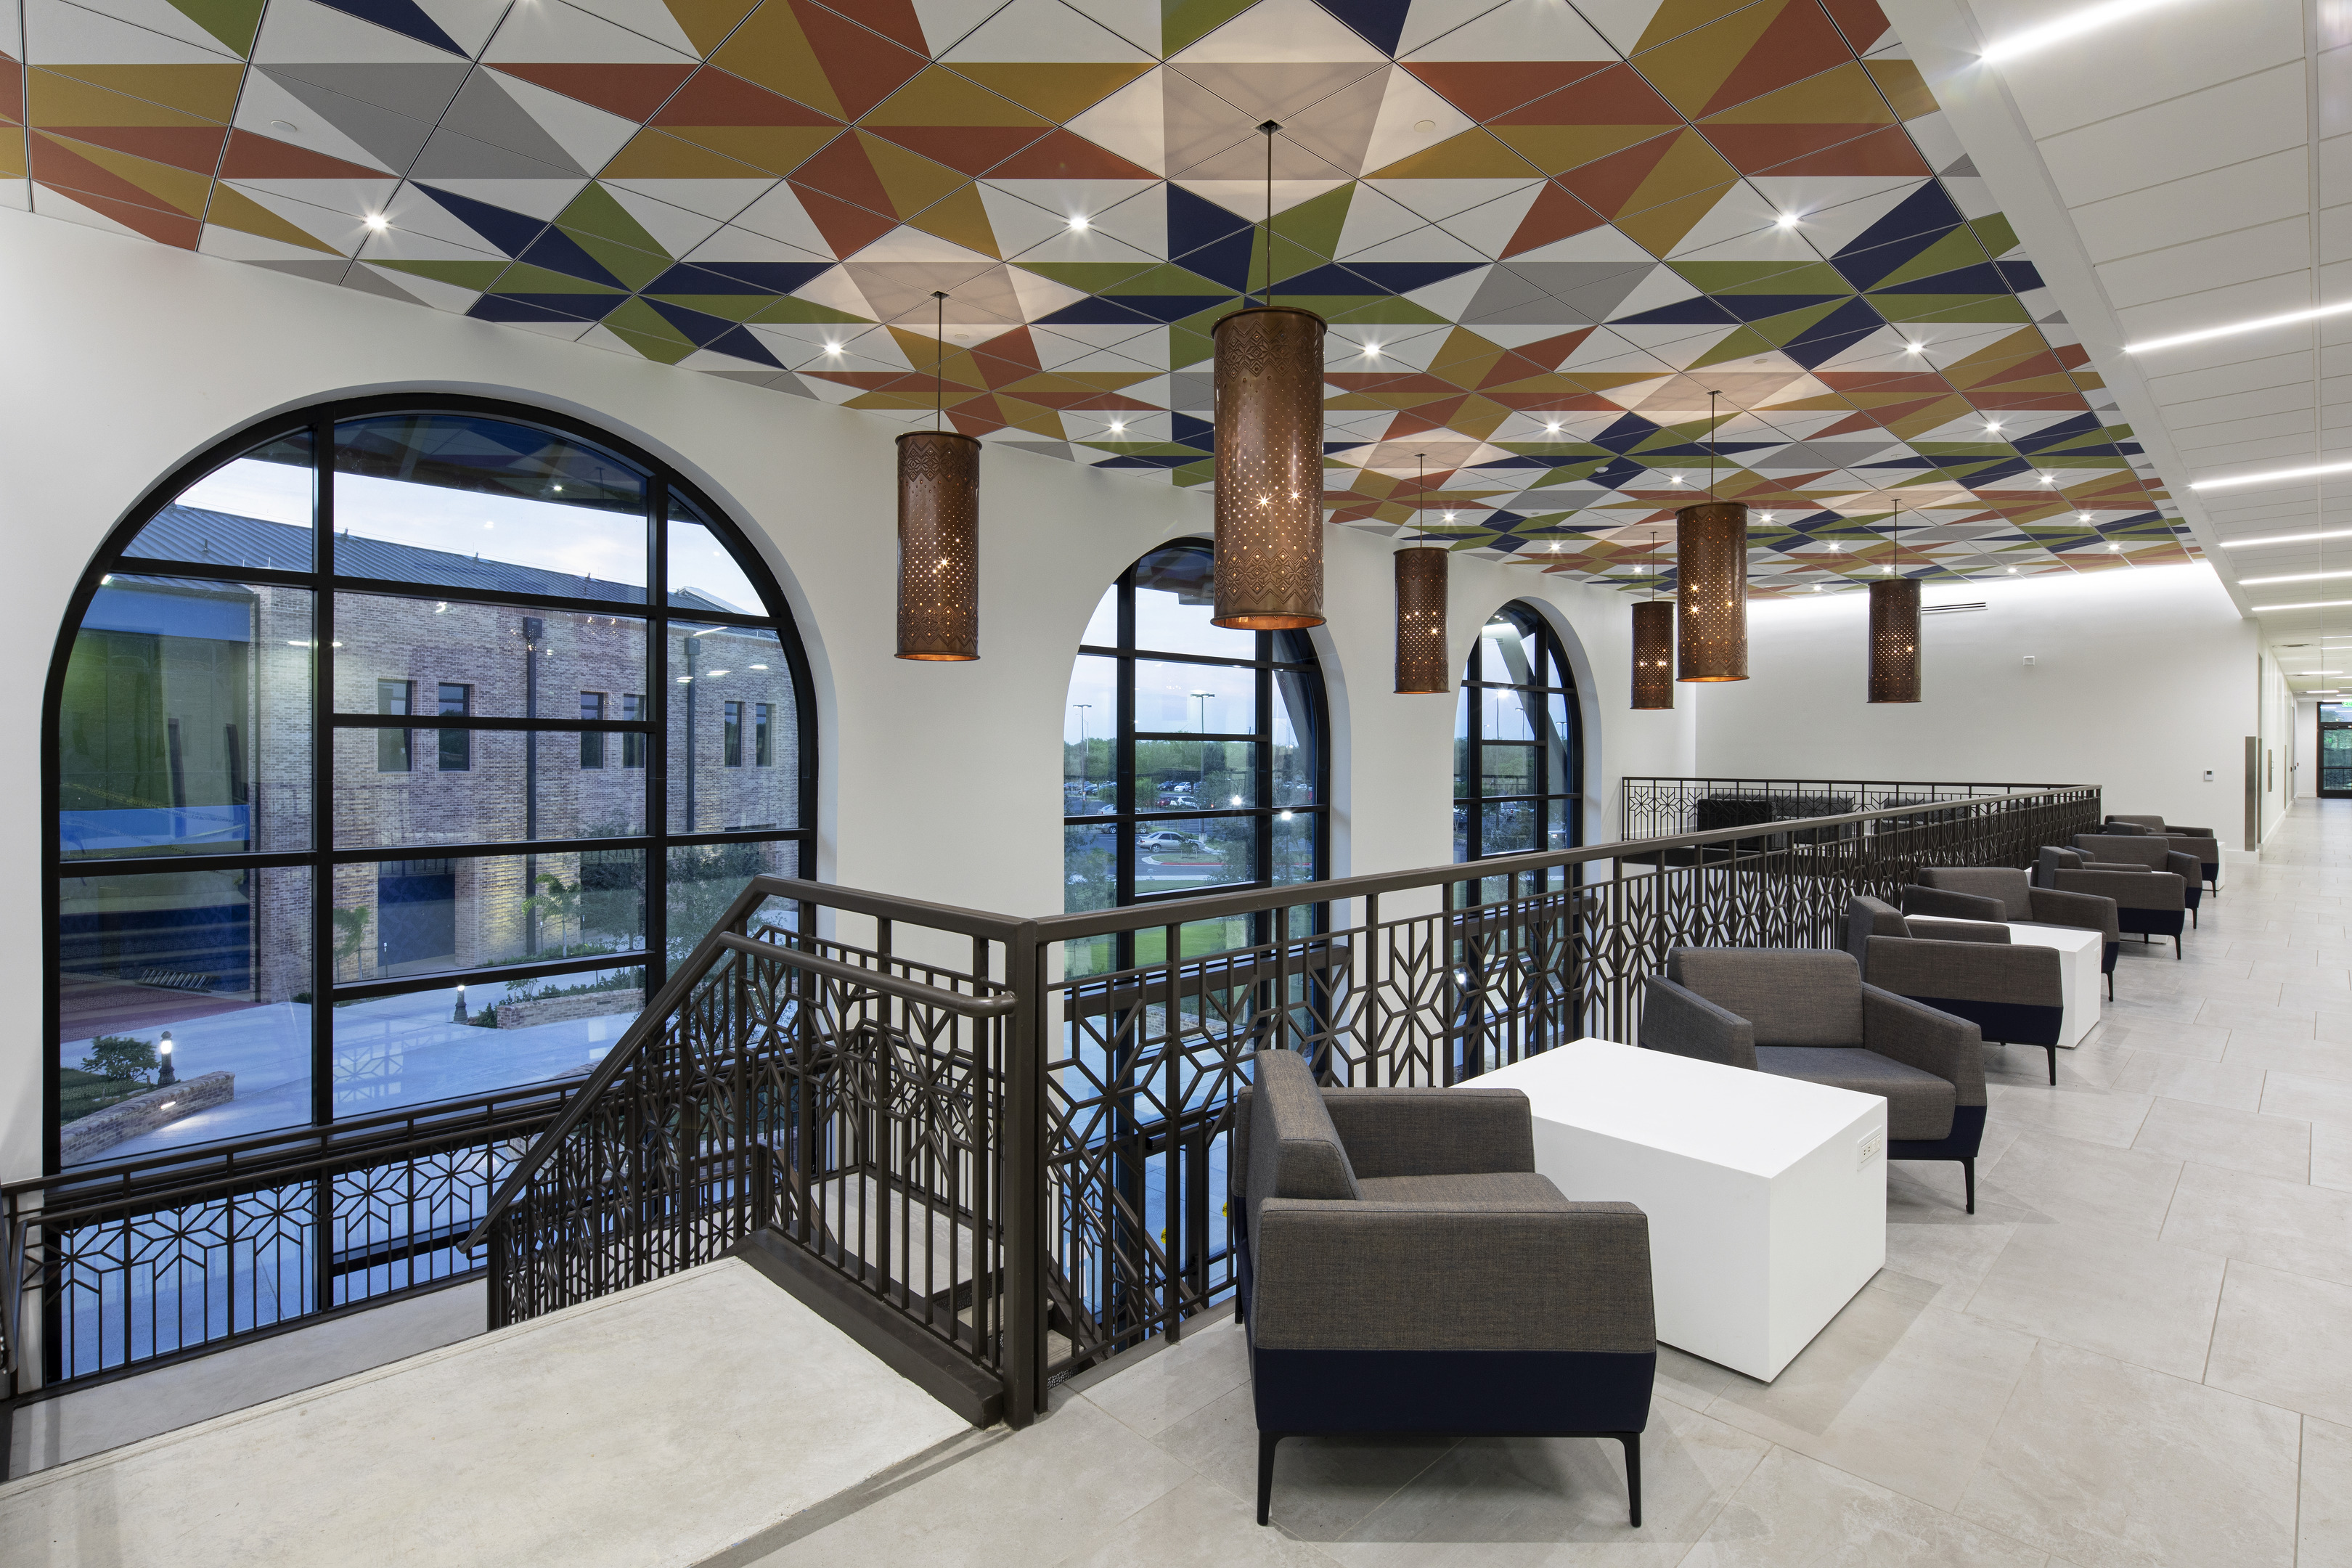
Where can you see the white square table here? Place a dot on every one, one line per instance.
(1767, 1196)
(2079, 980)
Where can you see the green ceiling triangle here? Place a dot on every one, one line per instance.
(233, 22)
(1184, 23)
(594, 212)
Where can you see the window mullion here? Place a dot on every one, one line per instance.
(323, 794)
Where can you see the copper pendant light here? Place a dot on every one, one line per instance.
(1711, 582)
(1653, 646)
(1422, 657)
(1895, 630)
(939, 531)
(1269, 435)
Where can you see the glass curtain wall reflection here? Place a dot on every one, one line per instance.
(474, 635)
(1193, 757)
(1518, 762)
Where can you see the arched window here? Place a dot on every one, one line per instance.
(1192, 755)
(1518, 752)
(553, 710)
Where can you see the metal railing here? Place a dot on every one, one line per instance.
(1012, 1135)
(1651, 807)
(179, 1253)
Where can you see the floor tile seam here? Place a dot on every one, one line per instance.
(1095, 1542)
(1952, 1513)
(1151, 1437)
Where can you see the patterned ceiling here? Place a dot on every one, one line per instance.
(1542, 233)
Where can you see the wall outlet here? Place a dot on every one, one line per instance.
(2028, 658)
(2209, 776)
(1873, 1143)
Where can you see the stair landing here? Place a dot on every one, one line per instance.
(658, 1427)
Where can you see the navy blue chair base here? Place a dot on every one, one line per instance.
(1960, 1144)
(1632, 1440)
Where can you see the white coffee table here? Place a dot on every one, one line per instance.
(1767, 1196)
(2079, 981)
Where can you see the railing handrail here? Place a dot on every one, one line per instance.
(970, 1006)
(1210, 906)
(1826, 778)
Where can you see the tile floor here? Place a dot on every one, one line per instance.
(2138, 1351)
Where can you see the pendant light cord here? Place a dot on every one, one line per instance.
(939, 362)
(1270, 127)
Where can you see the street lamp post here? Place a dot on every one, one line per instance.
(1201, 790)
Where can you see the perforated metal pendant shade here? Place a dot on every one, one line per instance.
(1895, 640)
(1423, 665)
(938, 545)
(1653, 655)
(1711, 591)
(1269, 421)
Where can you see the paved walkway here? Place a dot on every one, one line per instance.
(2137, 1351)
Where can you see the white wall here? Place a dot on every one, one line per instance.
(2141, 681)
(2277, 733)
(2307, 749)
(938, 781)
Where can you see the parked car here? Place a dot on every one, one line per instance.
(1166, 840)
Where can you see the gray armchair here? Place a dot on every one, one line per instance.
(2155, 853)
(1403, 1269)
(2007, 893)
(2201, 842)
(2148, 904)
(1804, 1013)
(2013, 994)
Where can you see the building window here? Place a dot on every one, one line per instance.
(1193, 757)
(591, 742)
(1518, 758)
(633, 742)
(760, 754)
(457, 745)
(391, 697)
(232, 859)
(731, 736)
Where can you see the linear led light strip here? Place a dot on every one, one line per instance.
(2314, 605)
(2287, 539)
(2276, 476)
(2088, 19)
(2294, 577)
(2260, 323)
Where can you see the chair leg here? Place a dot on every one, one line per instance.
(2193, 921)
(2111, 985)
(2054, 1065)
(1968, 1172)
(2176, 947)
(1632, 1441)
(1265, 1442)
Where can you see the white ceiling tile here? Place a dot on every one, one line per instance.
(2261, 191)
(2232, 123)
(2246, 256)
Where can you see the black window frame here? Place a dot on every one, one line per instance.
(319, 423)
(1470, 808)
(633, 739)
(1276, 652)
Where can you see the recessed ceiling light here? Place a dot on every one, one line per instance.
(1373, 350)
(2287, 538)
(1424, 126)
(833, 348)
(1449, 517)
(2090, 18)
(283, 127)
(2113, 545)
(1118, 426)
(2276, 476)
(1817, 587)
(1889, 570)
(1675, 480)
(2081, 517)
(1788, 220)
(2049, 478)
(1993, 428)
(2013, 571)
(2258, 323)
(2296, 577)
(1914, 348)
(376, 222)
(2311, 604)
(1552, 428)
(1078, 225)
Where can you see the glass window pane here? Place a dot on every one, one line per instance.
(1507, 768)
(1294, 846)
(1089, 867)
(1463, 788)
(519, 786)
(712, 670)
(704, 576)
(1176, 855)
(1174, 597)
(511, 662)
(1181, 775)
(1509, 826)
(1102, 627)
(1507, 646)
(1295, 748)
(184, 724)
(252, 511)
(1194, 699)
(1089, 737)
(704, 880)
(485, 505)
(218, 960)
(429, 916)
(461, 1042)
(1559, 824)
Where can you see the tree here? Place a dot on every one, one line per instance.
(121, 1056)
(351, 933)
(559, 902)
